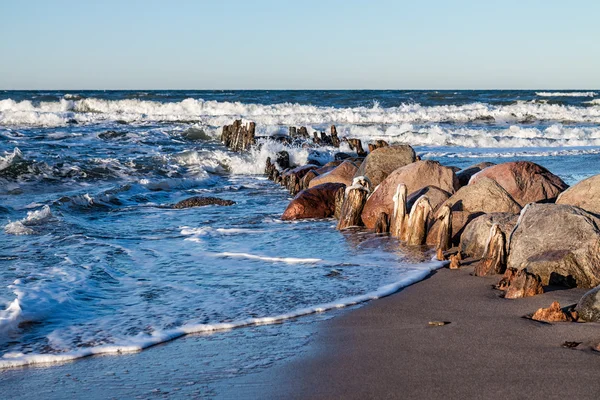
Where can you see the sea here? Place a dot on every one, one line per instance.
(93, 261)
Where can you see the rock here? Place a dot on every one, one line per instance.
(525, 181)
(588, 307)
(198, 201)
(484, 196)
(238, 137)
(560, 243)
(415, 176)
(343, 173)
(552, 314)
(454, 262)
(378, 144)
(436, 197)
(475, 235)
(316, 202)
(353, 204)
(465, 175)
(381, 162)
(585, 194)
(307, 179)
(341, 156)
(523, 284)
(494, 257)
(508, 276)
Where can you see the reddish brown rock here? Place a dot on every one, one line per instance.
(525, 181)
(316, 202)
(415, 176)
(381, 162)
(465, 175)
(552, 314)
(343, 173)
(585, 194)
(523, 284)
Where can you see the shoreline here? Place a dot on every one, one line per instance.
(387, 349)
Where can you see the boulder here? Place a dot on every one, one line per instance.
(585, 194)
(381, 162)
(199, 201)
(484, 196)
(465, 175)
(525, 181)
(474, 238)
(316, 202)
(560, 243)
(415, 176)
(343, 173)
(588, 307)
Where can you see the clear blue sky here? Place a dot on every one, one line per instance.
(254, 44)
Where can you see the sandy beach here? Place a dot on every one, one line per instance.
(387, 349)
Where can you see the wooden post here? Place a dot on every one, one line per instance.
(444, 239)
(354, 201)
(399, 215)
(494, 255)
(417, 222)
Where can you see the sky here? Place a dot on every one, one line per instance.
(325, 44)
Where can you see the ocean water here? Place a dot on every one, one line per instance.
(92, 261)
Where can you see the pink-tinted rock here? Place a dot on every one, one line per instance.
(525, 181)
(381, 162)
(343, 173)
(415, 176)
(585, 194)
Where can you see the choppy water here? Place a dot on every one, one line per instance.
(91, 261)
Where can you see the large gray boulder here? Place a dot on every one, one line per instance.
(381, 162)
(588, 307)
(560, 243)
(485, 196)
(585, 194)
(475, 236)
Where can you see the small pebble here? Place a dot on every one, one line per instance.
(438, 323)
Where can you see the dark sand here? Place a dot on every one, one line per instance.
(386, 349)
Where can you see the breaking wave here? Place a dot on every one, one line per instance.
(215, 113)
(566, 94)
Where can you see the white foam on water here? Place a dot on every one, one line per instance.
(287, 260)
(206, 231)
(566, 94)
(33, 218)
(274, 118)
(10, 159)
(143, 341)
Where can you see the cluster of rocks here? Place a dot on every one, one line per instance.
(516, 220)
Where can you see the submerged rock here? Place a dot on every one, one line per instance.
(198, 201)
(525, 181)
(561, 243)
(315, 202)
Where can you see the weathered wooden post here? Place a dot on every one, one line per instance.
(418, 221)
(444, 239)
(494, 255)
(354, 201)
(399, 215)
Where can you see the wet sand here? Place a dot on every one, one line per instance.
(387, 349)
